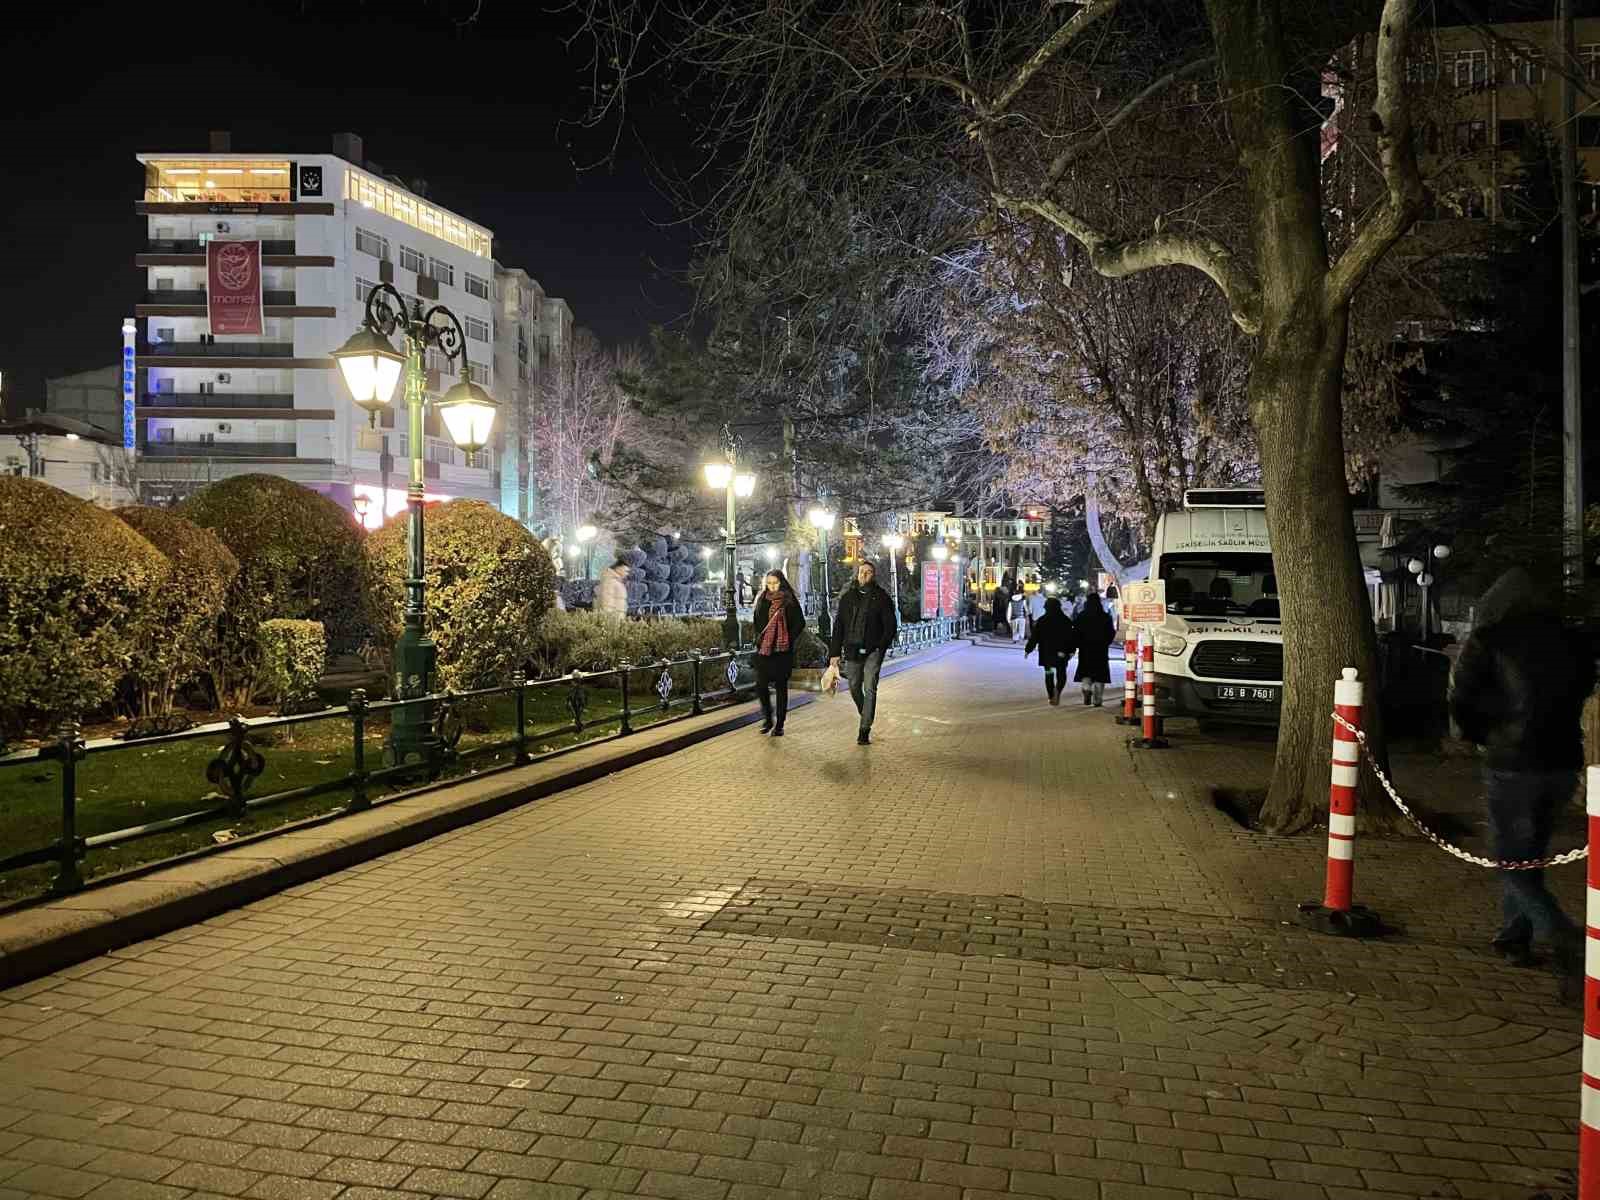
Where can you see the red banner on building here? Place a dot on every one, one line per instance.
(233, 287)
(941, 586)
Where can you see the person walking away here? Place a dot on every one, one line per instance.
(1019, 614)
(1055, 637)
(1094, 633)
(611, 592)
(863, 631)
(1035, 608)
(1001, 603)
(1518, 690)
(778, 624)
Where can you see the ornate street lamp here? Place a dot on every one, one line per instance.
(371, 368)
(822, 520)
(894, 543)
(586, 536)
(940, 553)
(723, 475)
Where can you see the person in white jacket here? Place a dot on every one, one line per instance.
(611, 591)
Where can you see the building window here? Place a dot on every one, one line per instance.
(477, 373)
(363, 289)
(1589, 56)
(476, 286)
(1470, 68)
(1422, 70)
(442, 271)
(371, 243)
(1470, 136)
(411, 260)
(477, 330)
(1512, 134)
(408, 210)
(1522, 69)
(440, 363)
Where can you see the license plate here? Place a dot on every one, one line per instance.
(1255, 695)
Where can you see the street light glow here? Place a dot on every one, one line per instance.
(941, 552)
(744, 486)
(587, 533)
(821, 518)
(718, 474)
(371, 368)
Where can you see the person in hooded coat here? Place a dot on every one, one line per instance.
(1094, 634)
(1055, 637)
(1518, 690)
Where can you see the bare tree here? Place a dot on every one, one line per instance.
(581, 416)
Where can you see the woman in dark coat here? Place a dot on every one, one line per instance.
(777, 626)
(1095, 635)
(1002, 606)
(1054, 635)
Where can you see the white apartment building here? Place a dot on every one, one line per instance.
(331, 227)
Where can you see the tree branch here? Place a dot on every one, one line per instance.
(1397, 156)
(1118, 259)
(1071, 154)
(1053, 45)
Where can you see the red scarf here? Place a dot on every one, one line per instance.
(775, 637)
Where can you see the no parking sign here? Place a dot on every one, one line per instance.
(1145, 603)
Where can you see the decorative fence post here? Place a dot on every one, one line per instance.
(623, 668)
(1589, 1088)
(1130, 675)
(519, 680)
(697, 707)
(1152, 739)
(1337, 913)
(358, 750)
(70, 748)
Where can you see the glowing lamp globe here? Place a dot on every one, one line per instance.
(718, 474)
(744, 486)
(468, 415)
(371, 368)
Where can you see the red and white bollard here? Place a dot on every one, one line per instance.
(1589, 1097)
(1151, 739)
(1337, 913)
(1130, 675)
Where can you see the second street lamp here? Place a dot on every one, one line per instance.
(371, 368)
(822, 520)
(940, 553)
(894, 543)
(723, 474)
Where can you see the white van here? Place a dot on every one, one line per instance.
(1219, 653)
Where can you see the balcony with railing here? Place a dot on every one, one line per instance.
(222, 349)
(218, 400)
(219, 450)
(172, 296)
(196, 246)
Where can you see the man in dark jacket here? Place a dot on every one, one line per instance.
(1518, 690)
(862, 634)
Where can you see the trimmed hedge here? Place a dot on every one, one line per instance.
(300, 558)
(79, 597)
(490, 584)
(185, 636)
(294, 655)
(580, 640)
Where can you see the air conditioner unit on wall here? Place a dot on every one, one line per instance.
(224, 377)
(224, 427)
(222, 227)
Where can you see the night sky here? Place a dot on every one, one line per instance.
(476, 111)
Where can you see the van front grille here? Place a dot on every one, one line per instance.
(1258, 662)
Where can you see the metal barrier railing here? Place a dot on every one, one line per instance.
(240, 761)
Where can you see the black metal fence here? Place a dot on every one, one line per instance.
(653, 691)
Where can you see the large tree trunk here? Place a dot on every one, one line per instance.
(1296, 408)
(1295, 386)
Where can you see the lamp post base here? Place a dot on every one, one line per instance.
(411, 735)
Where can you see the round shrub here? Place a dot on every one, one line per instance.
(300, 559)
(660, 593)
(636, 557)
(680, 593)
(490, 584)
(80, 593)
(682, 572)
(185, 640)
(659, 571)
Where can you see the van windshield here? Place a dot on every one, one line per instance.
(1221, 585)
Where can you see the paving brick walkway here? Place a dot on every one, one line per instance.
(994, 953)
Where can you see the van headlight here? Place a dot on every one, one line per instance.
(1169, 644)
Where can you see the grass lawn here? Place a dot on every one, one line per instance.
(138, 783)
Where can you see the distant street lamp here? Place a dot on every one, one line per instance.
(822, 520)
(940, 553)
(360, 502)
(723, 475)
(1422, 569)
(371, 368)
(894, 543)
